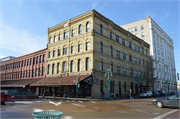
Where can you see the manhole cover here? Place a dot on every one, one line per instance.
(155, 113)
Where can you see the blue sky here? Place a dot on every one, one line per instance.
(24, 23)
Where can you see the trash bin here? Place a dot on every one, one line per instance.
(47, 115)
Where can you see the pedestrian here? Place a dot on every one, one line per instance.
(130, 94)
(65, 95)
(102, 94)
(117, 94)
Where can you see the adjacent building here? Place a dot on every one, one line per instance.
(161, 51)
(85, 47)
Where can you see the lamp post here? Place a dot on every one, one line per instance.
(77, 86)
(137, 78)
(108, 72)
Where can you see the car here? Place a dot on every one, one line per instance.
(161, 92)
(156, 94)
(20, 91)
(6, 97)
(170, 101)
(146, 94)
(174, 92)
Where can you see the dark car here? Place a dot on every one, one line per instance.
(20, 91)
(174, 92)
(171, 101)
(156, 94)
(161, 92)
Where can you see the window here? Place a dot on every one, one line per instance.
(139, 61)
(54, 39)
(73, 33)
(142, 27)
(134, 47)
(135, 60)
(142, 34)
(111, 51)
(136, 35)
(72, 66)
(37, 60)
(117, 54)
(34, 60)
(27, 62)
(124, 71)
(87, 27)
(39, 71)
(58, 68)
(48, 69)
(135, 28)
(123, 41)
(64, 51)
(59, 52)
(72, 49)
(111, 67)
(131, 72)
(30, 61)
(80, 29)
(43, 71)
(146, 52)
(33, 73)
(118, 70)
(136, 74)
(130, 58)
(79, 65)
(87, 64)
(101, 86)
(29, 73)
(124, 56)
(79, 48)
(26, 73)
(143, 62)
(142, 50)
(129, 30)
(87, 45)
(40, 59)
(59, 37)
(101, 47)
(49, 54)
(138, 49)
(100, 29)
(36, 72)
(44, 56)
(65, 35)
(52, 68)
(132, 29)
(50, 40)
(64, 66)
(54, 53)
(129, 44)
(101, 66)
(139, 74)
(117, 38)
(110, 35)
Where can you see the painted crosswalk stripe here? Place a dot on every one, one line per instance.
(165, 114)
(92, 101)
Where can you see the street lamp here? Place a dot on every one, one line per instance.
(108, 72)
(137, 78)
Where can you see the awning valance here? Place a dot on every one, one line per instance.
(18, 83)
(64, 80)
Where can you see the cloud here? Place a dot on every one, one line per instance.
(20, 42)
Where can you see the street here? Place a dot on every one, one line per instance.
(90, 108)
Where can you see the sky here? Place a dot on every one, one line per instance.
(24, 23)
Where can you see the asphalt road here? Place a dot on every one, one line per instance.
(139, 108)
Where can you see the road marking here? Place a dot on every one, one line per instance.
(165, 114)
(68, 117)
(38, 101)
(72, 100)
(22, 102)
(57, 104)
(92, 101)
(80, 101)
(109, 102)
(67, 100)
(37, 110)
(78, 105)
(139, 110)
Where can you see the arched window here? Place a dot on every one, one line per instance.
(111, 51)
(79, 65)
(80, 29)
(100, 29)
(101, 47)
(87, 27)
(72, 65)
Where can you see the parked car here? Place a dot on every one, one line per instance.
(161, 92)
(172, 101)
(146, 94)
(174, 92)
(156, 94)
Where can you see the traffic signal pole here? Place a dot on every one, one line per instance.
(77, 86)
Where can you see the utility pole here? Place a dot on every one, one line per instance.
(108, 72)
(77, 86)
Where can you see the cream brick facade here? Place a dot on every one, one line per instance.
(94, 38)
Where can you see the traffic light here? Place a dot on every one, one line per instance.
(77, 83)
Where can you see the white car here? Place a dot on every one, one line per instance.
(146, 94)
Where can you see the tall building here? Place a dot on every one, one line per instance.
(85, 47)
(6, 58)
(161, 51)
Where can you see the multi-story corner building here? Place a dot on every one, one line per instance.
(86, 46)
(161, 51)
(24, 70)
(6, 58)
